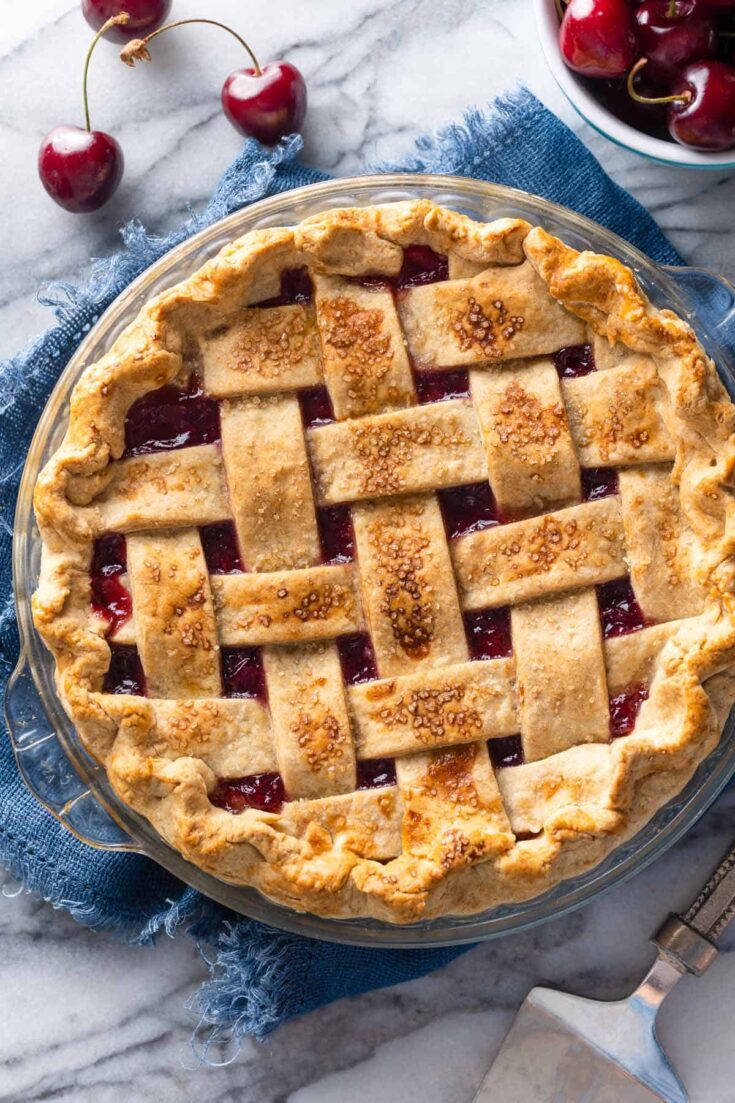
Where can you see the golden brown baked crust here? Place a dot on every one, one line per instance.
(453, 835)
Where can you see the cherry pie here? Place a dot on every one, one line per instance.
(388, 561)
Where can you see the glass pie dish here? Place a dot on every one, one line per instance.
(74, 787)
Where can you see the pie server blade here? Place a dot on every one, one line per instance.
(562, 1049)
(567, 1049)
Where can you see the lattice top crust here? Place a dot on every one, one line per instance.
(387, 561)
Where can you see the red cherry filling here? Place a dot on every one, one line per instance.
(468, 508)
(336, 534)
(488, 633)
(437, 386)
(506, 751)
(110, 555)
(620, 612)
(221, 552)
(357, 658)
(125, 674)
(111, 600)
(242, 673)
(624, 709)
(374, 773)
(574, 360)
(171, 418)
(316, 407)
(108, 596)
(599, 482)
(262, 791)
(296, 287)
(421, 265)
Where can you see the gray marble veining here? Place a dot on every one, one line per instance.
(83, 1018)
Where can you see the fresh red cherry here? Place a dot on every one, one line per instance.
(706, 119)
(266, 104)
(671, 33)
(79, 167)
(261, 102)
(597, 37)
(145, 16)
(701, 106)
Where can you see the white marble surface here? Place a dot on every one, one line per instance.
(83, 1018)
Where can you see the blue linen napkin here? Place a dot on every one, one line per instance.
(259, 977)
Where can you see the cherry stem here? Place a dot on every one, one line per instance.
(115, 21)
(677, 97)
(671, 10)
(212, 23)
(559, 8)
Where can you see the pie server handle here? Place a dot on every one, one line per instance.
(689, 940)
(51, 773)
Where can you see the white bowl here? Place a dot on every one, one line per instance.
(668, 153)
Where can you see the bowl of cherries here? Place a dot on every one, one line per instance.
(655, 76)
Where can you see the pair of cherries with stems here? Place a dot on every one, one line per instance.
(80, 168)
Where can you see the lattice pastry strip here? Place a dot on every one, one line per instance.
(232, 735)
(424, 448)
(164, 490)
(391, 717)
(435, 708)
(311, 725)
(262, 351)
(286, 606)
(480, 700)
(617, 416)
(279, 607)
(269, 483)
(408, 588)
(175, 624)
(530, 454)
(532, 794)
(570, 549)
(453, 811)
(416, 625)
(500, 314)
(630, 660)
(560, 669)
(660, 546)
(366, 367)
(367, 822)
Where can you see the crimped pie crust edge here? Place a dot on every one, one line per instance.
(317, 868)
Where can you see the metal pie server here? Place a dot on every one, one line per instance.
(566, 1049)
